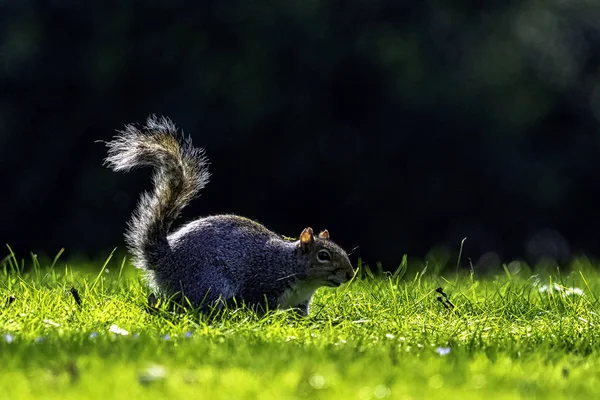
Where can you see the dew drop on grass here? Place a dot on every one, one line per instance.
(189, 377)
(479, 381)
(436, 382)
(382, 391)
(317, 381)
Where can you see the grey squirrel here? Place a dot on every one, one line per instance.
(219, 259)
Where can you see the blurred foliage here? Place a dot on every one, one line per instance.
(399, 126)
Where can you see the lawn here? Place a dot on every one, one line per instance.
(505, 336)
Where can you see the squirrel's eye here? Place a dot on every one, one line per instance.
(323, 256)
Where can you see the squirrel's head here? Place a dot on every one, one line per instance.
(328, 263)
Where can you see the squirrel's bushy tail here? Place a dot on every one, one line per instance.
(181, 171)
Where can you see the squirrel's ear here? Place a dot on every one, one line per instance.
(324, 234)
(306, 237)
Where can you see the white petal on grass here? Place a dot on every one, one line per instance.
(574, 291)
(566, 291)
(153, 373)
(442, 351)
(119, 331)
(8, 338)
(585, 320)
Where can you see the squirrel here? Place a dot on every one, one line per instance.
(215, 260)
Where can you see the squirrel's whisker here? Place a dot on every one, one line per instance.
(289, 276)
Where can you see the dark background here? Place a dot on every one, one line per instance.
(401, 126)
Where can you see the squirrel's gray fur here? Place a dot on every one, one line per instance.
(216, 259)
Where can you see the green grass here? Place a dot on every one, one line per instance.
(378, 337)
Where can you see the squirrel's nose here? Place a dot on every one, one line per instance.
(349, 275)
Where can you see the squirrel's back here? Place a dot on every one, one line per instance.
(224, 256)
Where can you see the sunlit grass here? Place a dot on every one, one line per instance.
(68, 332)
